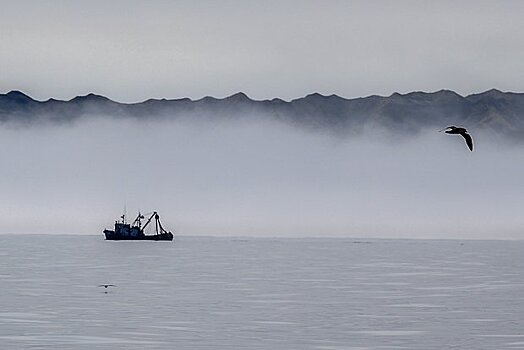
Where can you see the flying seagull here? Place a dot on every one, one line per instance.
(462, 132)
(106, 285)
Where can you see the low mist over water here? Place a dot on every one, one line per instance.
(256, 177)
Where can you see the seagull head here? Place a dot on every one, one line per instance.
(452, 127)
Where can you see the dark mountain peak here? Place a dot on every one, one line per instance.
(207, 99)
(149, 101)
(54, 101)
(487, 93)
(448, 93)
(239, 96)
(493, 92)
(184, 99)
(415, 94)
(90, 98)
(315, 95)
(18, 95)
(319, 96)
(423, 94)
(489, 96)
(395, 95)
(437, 97)
(445, 97)
(445, 92)
(160, 101)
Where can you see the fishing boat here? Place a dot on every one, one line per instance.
(135, 231)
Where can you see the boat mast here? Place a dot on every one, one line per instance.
(138, 221)
(158, 225)
(149, 220)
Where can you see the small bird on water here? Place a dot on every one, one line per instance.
(462, 132)
(106, 285)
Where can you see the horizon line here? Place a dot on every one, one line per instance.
(359, 239)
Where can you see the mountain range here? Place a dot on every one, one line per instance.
(501, 113)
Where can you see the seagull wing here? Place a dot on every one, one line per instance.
(469, 140)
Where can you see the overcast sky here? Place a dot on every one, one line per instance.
(133, 50)
(267, 178)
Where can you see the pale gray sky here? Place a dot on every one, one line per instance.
(133, 50)
(262, 179)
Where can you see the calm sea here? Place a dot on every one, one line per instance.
(254, 293)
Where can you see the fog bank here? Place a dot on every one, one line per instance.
(258, 178)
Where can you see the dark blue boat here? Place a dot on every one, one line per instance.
(135, 232)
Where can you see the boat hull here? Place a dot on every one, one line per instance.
(112, 236)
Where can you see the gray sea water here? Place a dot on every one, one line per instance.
(260, 293)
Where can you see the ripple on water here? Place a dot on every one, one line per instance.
(416, 305)
(76, 340)
(339, 347)
(207, 293)
(391, 333)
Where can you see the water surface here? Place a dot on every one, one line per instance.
(260, 293)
